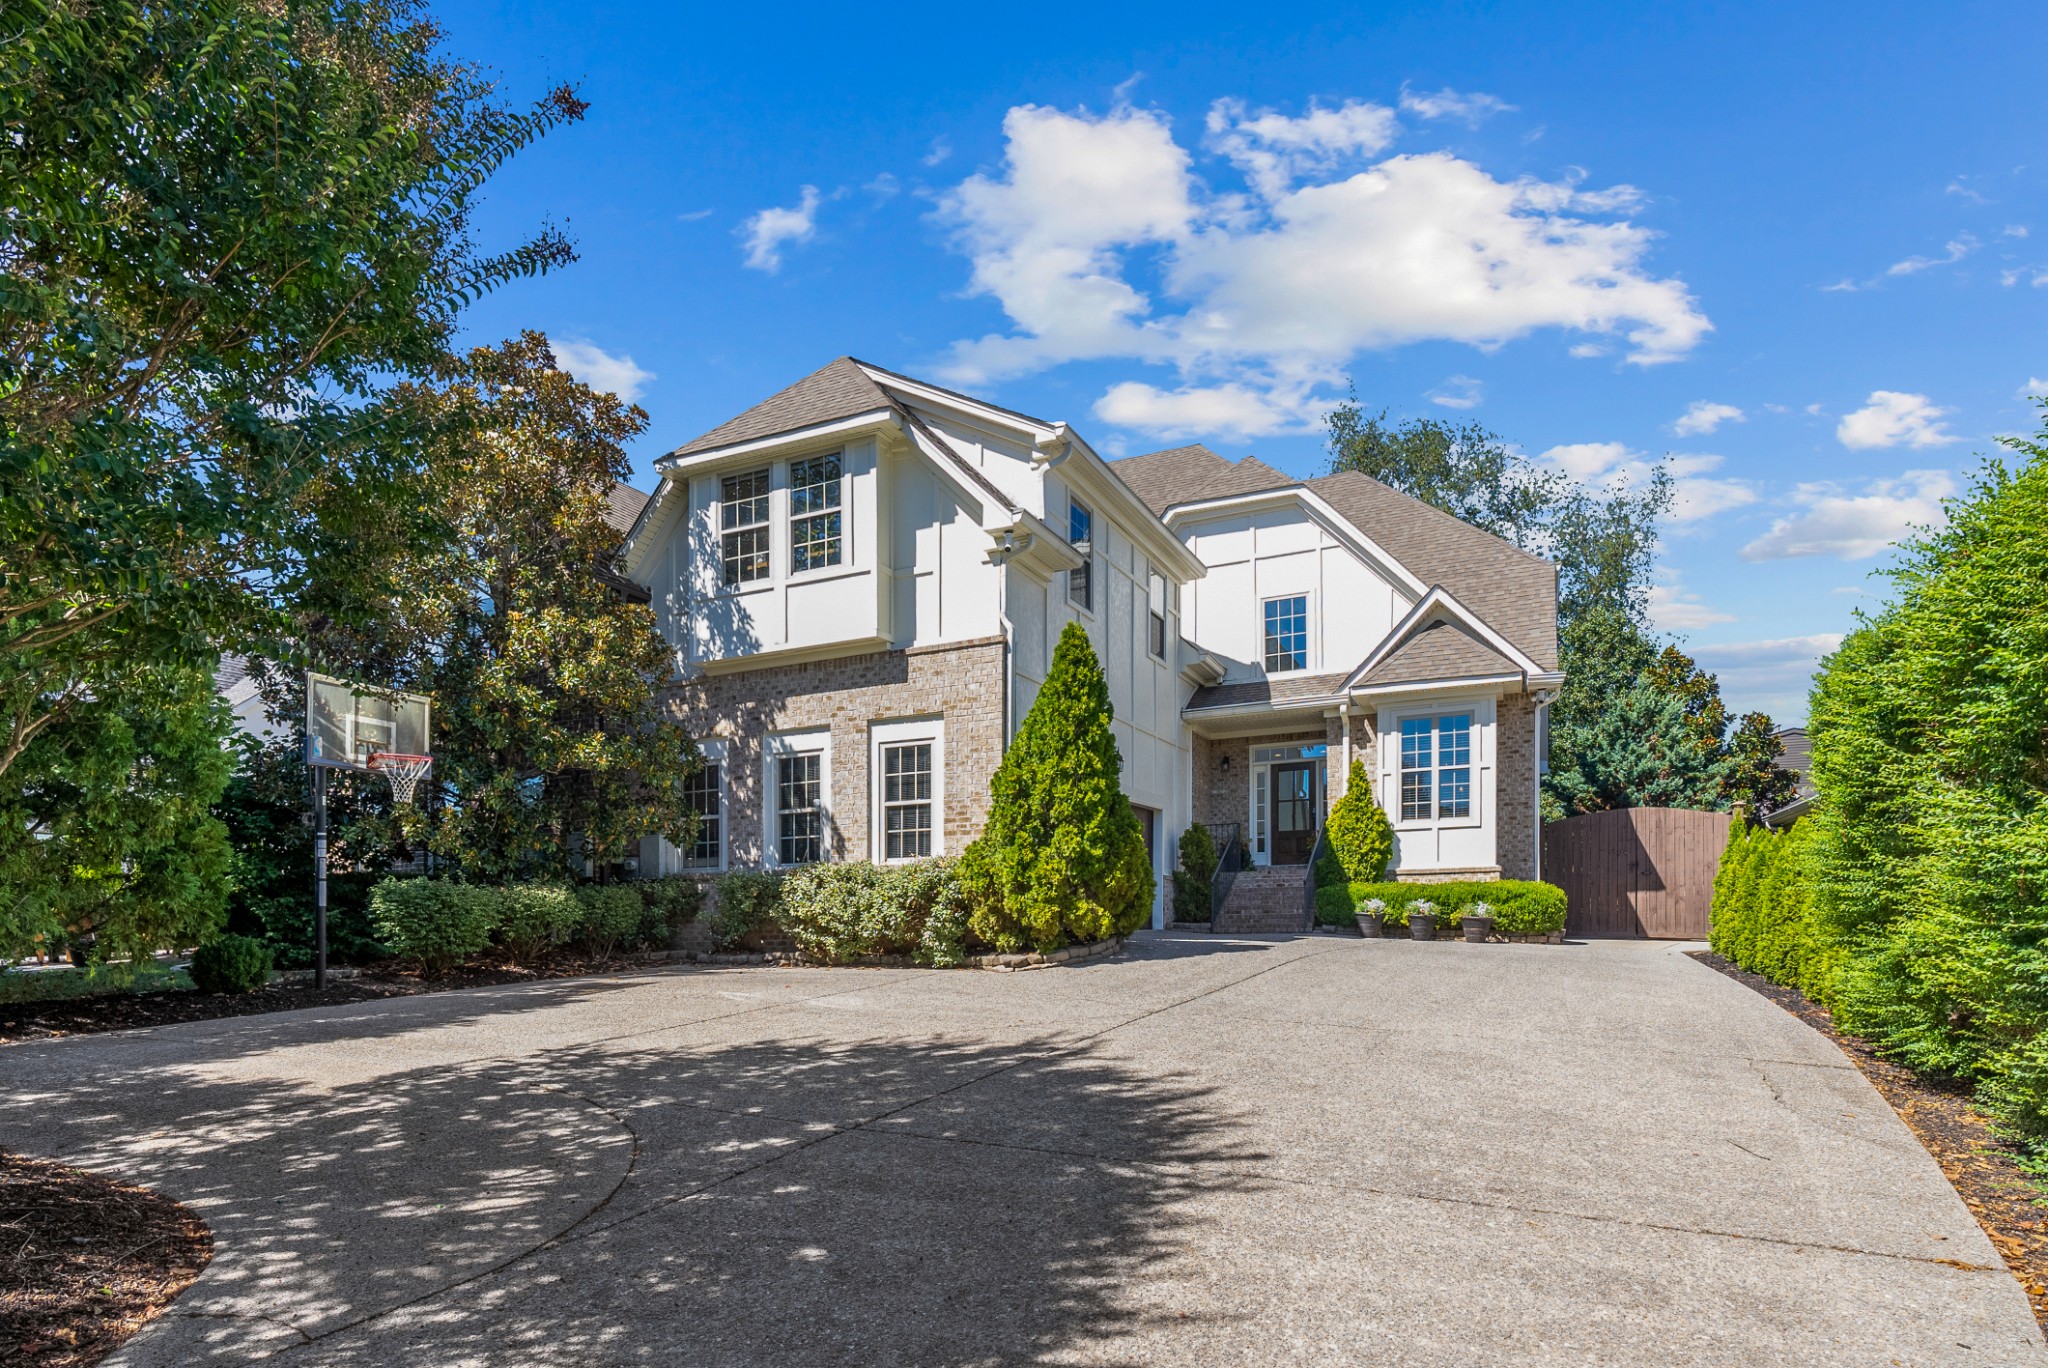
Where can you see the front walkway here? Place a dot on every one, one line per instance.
(1204, 1151)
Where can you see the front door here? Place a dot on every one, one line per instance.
(1294, 812)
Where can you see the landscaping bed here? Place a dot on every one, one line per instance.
(1986, 1171)
(86, 1261)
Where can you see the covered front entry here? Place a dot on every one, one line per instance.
(1294, 809)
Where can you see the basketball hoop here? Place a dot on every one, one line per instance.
(404, 771)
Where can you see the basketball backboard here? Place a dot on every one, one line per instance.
(348, 723)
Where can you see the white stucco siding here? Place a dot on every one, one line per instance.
(1276, 552)
(942, 587)
(1004, 458)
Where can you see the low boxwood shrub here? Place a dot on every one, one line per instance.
(611, 913)
(1521, 907)
(534, 918)
(1360, 836)
(1194, 877)
(434, 921)
(847, 911)
(230, 964)
(671, 901)
(746, 900)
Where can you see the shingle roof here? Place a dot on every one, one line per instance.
(1512, 591)
(839, 390)
(1439, 650)
(1277, 692)
(624, 508)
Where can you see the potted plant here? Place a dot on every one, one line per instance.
(1477, 922)
(1422, 920)
(1370, 916)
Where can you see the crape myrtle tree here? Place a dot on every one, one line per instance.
(227, 230)
(1062, 856)
(1604, 543)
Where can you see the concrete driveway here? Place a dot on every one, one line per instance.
(1203, 1151)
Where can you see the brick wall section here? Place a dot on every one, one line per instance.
(1515, 785)
(962, 682)
(1225, 796)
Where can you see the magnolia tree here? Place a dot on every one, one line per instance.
(1062, 857)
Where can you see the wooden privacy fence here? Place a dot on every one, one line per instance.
(1637, 871)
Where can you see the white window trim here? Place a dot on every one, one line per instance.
(1484, 716)
(907, 731)
(1165, 614)
(718, 531)
(713, 752)
(787, 485)
(1309, 653)
(1094, 603)
(814, 741)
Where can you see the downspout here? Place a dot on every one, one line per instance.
(1538, 720)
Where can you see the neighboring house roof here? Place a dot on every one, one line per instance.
(1513, 590)
(839, 390)
(1276, 692)
(1797, 757)
(1439, 650)
(624, 510)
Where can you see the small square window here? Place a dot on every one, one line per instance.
(743, 527)
(814, 490)
(1287, 634)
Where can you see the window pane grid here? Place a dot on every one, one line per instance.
(1081, 580)
(1454, 761)
(1415, 769)
(743, 523)
(814, 488)
(907, 801)
(1436, 768)
(701, 793)
(1287, 633)
(1155, 607)
(799, 825)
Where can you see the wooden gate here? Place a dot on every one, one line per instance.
(1637, 871)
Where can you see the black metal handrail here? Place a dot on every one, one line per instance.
(1309, 892)
(1229, 841)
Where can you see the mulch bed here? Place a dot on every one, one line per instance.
(125, 1011)
(2008, 1202)
(86, 1261)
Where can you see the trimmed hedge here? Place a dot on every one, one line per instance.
(746, 900)
(611, 913)
(230, 964)
(1521, 907)
(1763, 914)
(433, 920)
(534, 918)
(848, 911)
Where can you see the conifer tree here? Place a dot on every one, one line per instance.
(1360, 835)
(1062, 857)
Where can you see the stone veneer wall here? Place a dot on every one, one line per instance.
(1515, 785)
(960, 681)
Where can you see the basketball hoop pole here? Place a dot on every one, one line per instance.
(319, 877)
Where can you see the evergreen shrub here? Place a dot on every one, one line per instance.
(1194, 877)
(1062, 857)
(1359, 835)
(611, 913)
(1521, 907)
(671, 901)
(843, 912)
(434, 921)
(1763, 916)
(230, 964)
(746, 900)
(534, 918)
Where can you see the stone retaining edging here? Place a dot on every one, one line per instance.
(1028, 960)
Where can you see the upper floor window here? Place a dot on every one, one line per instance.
(1287, 634)
(743, 527)
(1436, 767)
(1081, 534)
(1155, 608)
(814, 513)
(704, 794)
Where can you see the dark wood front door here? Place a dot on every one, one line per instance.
(1294, 812)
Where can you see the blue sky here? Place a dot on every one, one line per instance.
(1800, 249)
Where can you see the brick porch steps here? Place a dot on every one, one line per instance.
(1264, 901)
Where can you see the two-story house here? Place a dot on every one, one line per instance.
(864, 575)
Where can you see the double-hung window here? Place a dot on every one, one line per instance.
(799, 808)
(907, 801)
(1081, 534)
(704, 795)
(814, 488)
(1436, 768)
(743, 527)
(1155, 609)
(1286, 634)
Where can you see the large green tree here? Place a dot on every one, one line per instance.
(1062, 856)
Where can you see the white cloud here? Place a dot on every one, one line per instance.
(1695, 496)
(694, 215)
(1702, 416)
(1674, 609)
(2014, 230)
(769, 231)
(1956, 187)
(1959, 247)
(1458, 392)
(1226, 410)
(1773, 675)
(1447, 103)
(598, 368)
(942, 148)
(2034, 388)
(1853, 524)
(1891, 419)
(1279, 286)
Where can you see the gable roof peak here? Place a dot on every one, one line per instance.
(839, 389)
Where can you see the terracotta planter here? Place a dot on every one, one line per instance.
(1476, 928)
(1369, 926)
(1422, 926)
